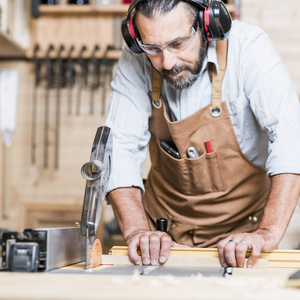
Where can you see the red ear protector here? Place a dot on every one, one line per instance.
(214, 18)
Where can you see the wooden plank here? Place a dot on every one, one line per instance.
(177, 261)
(276, 258)
(84, 9)
(94, 9)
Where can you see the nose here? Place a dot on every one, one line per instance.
(169, 59)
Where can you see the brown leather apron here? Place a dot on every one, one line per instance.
(209, 197)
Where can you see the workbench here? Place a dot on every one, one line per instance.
(256, 283)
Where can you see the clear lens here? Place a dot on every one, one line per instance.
(172, 46)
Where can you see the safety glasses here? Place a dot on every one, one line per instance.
(176, 45)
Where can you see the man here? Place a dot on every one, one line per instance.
(215, 143)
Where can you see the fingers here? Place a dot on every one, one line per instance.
(132, 251)
(166, 243)
(240, 253)
(230, 253)
(144, 247)
(253, 257)
(233, 249)
(154, 247)
(221, 250)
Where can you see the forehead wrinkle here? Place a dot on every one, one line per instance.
(164, 37)
(160, 30)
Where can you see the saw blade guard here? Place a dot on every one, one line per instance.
(96, 172)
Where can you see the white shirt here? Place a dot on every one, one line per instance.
(261, 99)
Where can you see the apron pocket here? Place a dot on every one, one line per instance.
(172, 169)
(204, 174)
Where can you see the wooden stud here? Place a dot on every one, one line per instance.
(276, 258)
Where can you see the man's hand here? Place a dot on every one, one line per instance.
(130, 214)
(154, 245)
(232, 250)
(283, 198)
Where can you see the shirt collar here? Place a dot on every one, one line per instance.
(211, 56)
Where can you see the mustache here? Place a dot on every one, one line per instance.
(175, 70)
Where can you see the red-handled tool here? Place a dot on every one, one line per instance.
(208, 147)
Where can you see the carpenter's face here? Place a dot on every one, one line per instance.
(172, 32)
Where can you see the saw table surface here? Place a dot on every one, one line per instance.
(255, 283)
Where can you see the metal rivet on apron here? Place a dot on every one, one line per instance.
(173, 225)
(215, 112)
(191, 232)
(255, 219)
(250, 218)
(157, 104)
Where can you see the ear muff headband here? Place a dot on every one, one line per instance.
(207, 23)
(213, 15)
(131, 28)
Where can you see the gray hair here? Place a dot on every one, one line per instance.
(150, 7)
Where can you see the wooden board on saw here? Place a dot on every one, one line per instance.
(275, 259)
(178, 261)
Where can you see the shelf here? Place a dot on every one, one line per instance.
(111, 54)
(9, 48)
(83, 9)
(93, 9)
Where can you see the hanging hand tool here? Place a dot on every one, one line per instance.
(70, 78)
(59, 68)
(94, 78)
(96, 172)
(37, 73)
(81, 77)
(47, 112)
(9, 80)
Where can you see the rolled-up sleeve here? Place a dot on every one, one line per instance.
(128, 114)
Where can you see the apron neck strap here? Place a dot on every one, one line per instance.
(217, 78)
(156, 85)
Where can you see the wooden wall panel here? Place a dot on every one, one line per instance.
(76, 30)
